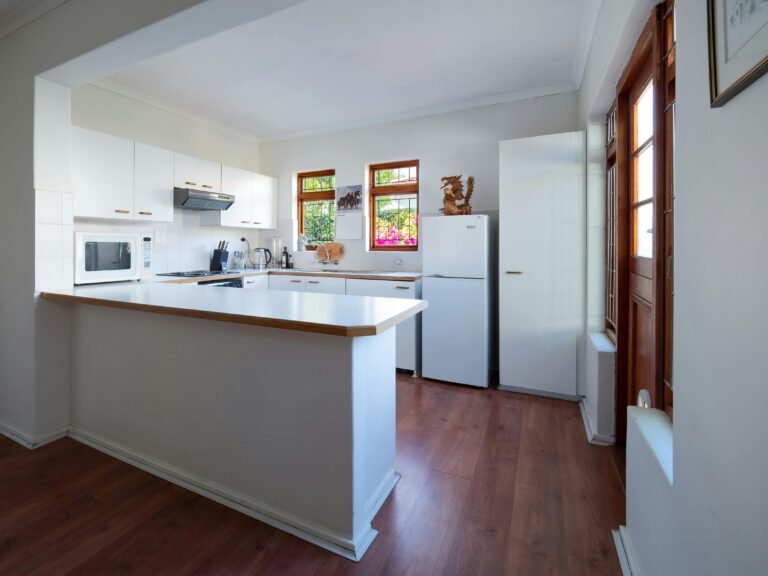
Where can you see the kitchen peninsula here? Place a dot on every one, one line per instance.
(280, 405)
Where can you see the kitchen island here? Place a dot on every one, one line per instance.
(278, 404)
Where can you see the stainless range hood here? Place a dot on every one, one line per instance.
(191, 199)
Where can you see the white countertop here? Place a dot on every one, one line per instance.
(308, 312)
(350, 274)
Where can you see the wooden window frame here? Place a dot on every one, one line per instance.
(657, 40)
(611, 216)
(375, 192)
(311, 196)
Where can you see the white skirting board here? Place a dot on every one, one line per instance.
(624, 552)
(353, 550)
(593, 437)
(533, 392)
(28, 440)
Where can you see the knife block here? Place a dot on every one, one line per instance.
(219, 260)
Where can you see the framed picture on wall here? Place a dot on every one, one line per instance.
(738, 46)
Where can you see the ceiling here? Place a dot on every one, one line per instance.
(15, 14)
(326, 65)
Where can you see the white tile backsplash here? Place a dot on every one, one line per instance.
(48, 207)
(48, 240)
(67, 214)
(181, 245)
(48, 274)
(68, 272)
(67, 241)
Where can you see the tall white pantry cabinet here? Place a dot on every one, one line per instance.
(542, 262)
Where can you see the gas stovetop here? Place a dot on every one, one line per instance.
(194, 274)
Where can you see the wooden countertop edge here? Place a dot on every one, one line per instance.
(328, 329)
(350, 276)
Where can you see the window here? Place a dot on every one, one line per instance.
(642, 174)
(317, 206)
(394, 206)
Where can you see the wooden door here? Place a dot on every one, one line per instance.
(642, 186)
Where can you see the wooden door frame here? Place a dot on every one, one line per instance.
(650, 43)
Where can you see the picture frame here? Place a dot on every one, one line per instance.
(738, 46)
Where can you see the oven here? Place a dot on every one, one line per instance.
(107, 258)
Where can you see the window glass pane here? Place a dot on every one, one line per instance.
(644, 115)
(644, 230)
(389, 177)
(644, 175)
(396, 220)
(319, 183)
(319, 221)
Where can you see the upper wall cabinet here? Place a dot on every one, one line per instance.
(255, 201)
(264, 202)
(153, 184)
(197, 173)
(102, 175)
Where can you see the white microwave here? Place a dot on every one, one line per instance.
(107, 257)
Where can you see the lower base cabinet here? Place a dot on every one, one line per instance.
(408, 332)
(260, 282)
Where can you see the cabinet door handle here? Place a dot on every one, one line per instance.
(296, 281)
(257, 222)
(244, 222)
(190, 183)
(146, 213)
(309, 281)
(122, 211)
(402, 287)
(250, 281)
(207, 186)
(517, 272)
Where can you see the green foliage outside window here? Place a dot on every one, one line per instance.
(320, 221)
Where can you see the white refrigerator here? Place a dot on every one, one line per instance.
(456, 325)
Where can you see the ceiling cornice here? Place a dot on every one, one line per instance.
(457, 106)
(26, 12)
(588, 24)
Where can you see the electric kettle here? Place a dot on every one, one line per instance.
(261, 258)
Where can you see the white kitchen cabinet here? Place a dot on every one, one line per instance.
(541, 262)
(260, 282)
(102, 175)
(255, 201)
(238, 183)
(325, 285)
(153, 183)
(191, 172)
(287, 282)
(264, 206)
(408, 333)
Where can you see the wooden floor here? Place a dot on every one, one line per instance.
(492, 483)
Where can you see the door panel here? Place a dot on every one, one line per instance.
(541, 261)
(642, 349)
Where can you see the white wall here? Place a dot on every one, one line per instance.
(719, 511)
(106, 111)
(33, 381)
(464, 142)
(618, 26)
(183, 244)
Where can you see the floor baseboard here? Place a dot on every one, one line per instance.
(350, 549)
(28, 440)
(532, 392)
(592, 437)
(624, 551)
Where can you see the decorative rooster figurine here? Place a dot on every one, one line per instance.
(453, 193)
